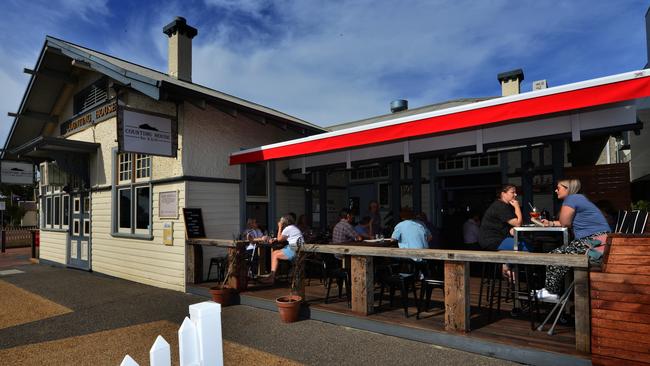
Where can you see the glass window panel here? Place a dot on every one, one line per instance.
(77, 205)
(124, 167)
(57, 211)
(256, 179)
(75, 227)
(143, 209)
(86, 227)
(143, 166)
(86, 204)
(48, 211)
(124, 209)
(66, 210)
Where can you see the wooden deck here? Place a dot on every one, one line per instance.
(502, 328)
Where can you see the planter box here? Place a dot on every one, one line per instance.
(620, 302)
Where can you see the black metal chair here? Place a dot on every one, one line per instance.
(334, 271)
(432, 278)
(402, 275)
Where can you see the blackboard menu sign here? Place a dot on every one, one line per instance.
(194, 228)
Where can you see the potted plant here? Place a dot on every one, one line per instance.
(224, 293)
(289, 305)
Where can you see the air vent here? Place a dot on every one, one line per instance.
(399, 105)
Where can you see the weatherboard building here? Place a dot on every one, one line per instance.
(122, 149)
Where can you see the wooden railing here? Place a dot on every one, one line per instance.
(456, 263)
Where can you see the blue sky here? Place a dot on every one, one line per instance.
(337, 61)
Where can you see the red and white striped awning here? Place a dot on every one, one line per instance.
(593, 104)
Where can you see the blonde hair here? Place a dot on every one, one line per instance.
(572, 185)
(287, 220)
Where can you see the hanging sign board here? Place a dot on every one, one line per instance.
(194, 228)
(13, 172)
(146, 133)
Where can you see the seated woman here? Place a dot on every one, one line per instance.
(253, 232)
(289, 232)
(495, 232)
(586, 221)
(253, 235)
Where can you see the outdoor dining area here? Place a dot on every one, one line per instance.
(419, 292)
(566, 287)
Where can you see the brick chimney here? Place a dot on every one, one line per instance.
(511, 81)
(180, 48)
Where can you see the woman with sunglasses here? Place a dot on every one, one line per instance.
(586, 221)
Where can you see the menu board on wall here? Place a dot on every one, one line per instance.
(194, 228)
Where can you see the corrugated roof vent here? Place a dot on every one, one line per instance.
(399, 105)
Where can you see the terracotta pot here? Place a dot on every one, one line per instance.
(289, 307)
(223, 295)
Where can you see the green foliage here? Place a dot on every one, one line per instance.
(642, 205)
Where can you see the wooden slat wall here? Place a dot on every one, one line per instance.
(620, 303)
(604, 182)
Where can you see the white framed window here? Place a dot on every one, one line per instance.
(125, 167)
(447, 164)
(65, 211)
(257, 183)
(484, 161)
(55, 208)
(124, 210)
(142, 209)
(132, 194)
(77, 205)
(142, 166)
(372, 172)
(48, 211)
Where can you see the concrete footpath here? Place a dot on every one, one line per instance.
(57, 316)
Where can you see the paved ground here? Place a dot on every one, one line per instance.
(109, 317)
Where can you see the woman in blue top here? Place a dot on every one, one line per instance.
(587, 222)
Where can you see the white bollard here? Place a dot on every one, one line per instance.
(160, 353)
(128, 361)
(188, 348)
(207, 318)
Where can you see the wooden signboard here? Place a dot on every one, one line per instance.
(194, 228)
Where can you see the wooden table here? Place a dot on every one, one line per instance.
(540, 229)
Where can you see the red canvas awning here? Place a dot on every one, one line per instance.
(566, 98)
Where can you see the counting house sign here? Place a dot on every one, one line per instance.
(146, 133)
(86, 120)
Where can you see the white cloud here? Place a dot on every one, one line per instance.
(342, 61)
(337, 61)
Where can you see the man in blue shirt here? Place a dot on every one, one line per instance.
(410, 233)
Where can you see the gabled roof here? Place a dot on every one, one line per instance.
(55, 59)
(131, 72)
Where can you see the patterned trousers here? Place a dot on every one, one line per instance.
(555, 274)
